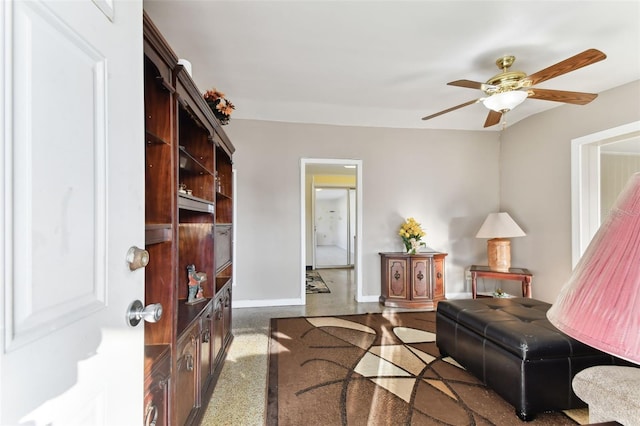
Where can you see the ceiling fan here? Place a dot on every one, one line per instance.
(509, 89)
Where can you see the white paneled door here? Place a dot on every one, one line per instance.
(72, 192)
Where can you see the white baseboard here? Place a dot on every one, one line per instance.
(369, 299)
(299, 302)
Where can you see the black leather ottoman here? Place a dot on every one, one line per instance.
(511, 346)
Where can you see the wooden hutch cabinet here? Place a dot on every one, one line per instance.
(188, 221)
(412, 281)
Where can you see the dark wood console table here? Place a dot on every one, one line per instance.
(514, 274)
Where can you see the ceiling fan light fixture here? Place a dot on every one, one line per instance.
(505, 101)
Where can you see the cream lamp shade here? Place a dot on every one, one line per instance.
(600, 303)
(499, 227)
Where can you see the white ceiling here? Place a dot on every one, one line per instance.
(386, 63)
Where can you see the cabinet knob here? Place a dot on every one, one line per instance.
(439, 275)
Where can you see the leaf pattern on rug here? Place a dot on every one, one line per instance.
(376, 369)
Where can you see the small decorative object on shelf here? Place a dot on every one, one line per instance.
(411, 233)
(195, 285)
(221, 107)
(499, 293)
(182, 189)
(218, 182)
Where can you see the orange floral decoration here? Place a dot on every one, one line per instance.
(221, 107)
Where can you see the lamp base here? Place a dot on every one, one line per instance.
(499, 254)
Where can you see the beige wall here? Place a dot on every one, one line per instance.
(535, 181)
(448, 180)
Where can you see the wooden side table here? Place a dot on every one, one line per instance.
(412, 280)
(514, 274)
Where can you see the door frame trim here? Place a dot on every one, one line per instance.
(585, 183)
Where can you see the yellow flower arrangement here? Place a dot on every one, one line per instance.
(411, 233)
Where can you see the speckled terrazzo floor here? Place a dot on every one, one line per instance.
(239, 396)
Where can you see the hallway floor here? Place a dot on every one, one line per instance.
(240, 394)
(330, 255)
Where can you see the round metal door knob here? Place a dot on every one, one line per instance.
(138, 312)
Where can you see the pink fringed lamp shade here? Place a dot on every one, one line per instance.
(600, 304)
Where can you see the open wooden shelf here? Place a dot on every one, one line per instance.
(185, 149)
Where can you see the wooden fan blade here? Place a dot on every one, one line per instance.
(467, 83)
(493, 118)
(578, 98)
(588, 57)
(428, 117)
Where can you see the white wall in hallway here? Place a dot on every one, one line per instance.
(332, 220)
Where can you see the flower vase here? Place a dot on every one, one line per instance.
(410, 248)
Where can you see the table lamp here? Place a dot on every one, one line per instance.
(600, 303)
(499, 227)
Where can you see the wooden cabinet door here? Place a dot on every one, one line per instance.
(420, 278)
(156, 398)
(226, 315)
(218, 327)
(206, 332)
(397, 278)
(186, 373)
(438, 275)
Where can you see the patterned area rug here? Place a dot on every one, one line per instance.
(315, 283)
(376, 369)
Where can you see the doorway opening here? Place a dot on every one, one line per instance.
(334, 227)
(333, 220)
